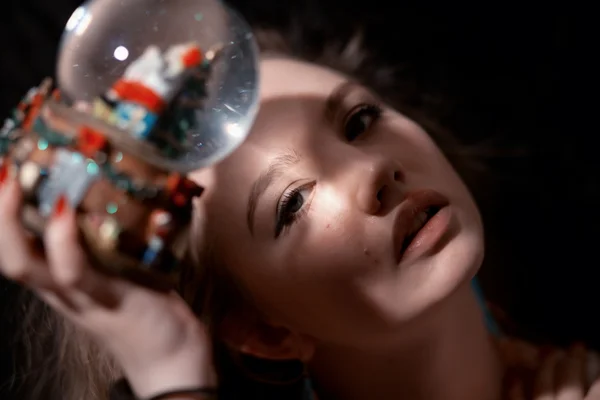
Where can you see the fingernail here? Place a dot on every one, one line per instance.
(4, 172)
(60, 206)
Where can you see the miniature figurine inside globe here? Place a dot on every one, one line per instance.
(179, 75)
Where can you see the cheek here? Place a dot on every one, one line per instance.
(414, 147)
(334, 242)
(424, 161)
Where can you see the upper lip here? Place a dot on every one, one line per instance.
(414, 203)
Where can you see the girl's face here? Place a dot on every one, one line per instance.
(313, 214)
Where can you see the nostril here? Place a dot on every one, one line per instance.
(380, 194)
(397, 176)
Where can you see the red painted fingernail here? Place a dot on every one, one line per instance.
(60, 206)
(4, 172)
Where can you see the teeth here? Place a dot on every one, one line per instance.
(418, 222)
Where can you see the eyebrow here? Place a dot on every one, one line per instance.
(337, 98)
(290, 157)
(276, 168)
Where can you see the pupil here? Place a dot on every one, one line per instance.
(357, 125)
(296, 203)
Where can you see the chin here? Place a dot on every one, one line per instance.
(457, 264)
(465, 256)
(442, 274)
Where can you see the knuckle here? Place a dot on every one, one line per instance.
(6, 213)
(18, 270)
(60, 235)
(69, 276)
(9, 200)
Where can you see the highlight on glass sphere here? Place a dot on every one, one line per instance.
(180, 77)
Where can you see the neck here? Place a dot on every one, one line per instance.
(446, 355)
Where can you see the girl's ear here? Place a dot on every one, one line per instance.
(263, 340)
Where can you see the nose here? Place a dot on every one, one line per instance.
(378, 186)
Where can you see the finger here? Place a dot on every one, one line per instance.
(515, 390)
(594, 391)
(518, 353)
(58, 301)
(68, 263)
(593, 367)
(543, 388)
(18, 259)
(570, 378)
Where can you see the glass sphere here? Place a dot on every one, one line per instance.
(104, 38)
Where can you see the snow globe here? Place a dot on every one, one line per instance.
(146, 91)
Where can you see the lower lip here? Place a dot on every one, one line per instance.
(430, 235)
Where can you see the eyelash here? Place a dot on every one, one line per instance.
(355, 116)
(285, 217)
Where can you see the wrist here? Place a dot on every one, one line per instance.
(187, 370)
(121, 390)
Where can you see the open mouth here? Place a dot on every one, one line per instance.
(419, 222)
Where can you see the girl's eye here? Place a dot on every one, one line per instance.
(360, 119)
(292, 207)
(295, 203)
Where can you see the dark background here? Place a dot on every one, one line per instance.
(523, 82)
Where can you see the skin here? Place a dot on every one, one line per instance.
(329, 284)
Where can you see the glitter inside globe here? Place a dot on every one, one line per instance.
(112, 47)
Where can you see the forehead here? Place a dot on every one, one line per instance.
(288, 113)
(285, 78)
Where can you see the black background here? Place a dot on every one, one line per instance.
(523, 80)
